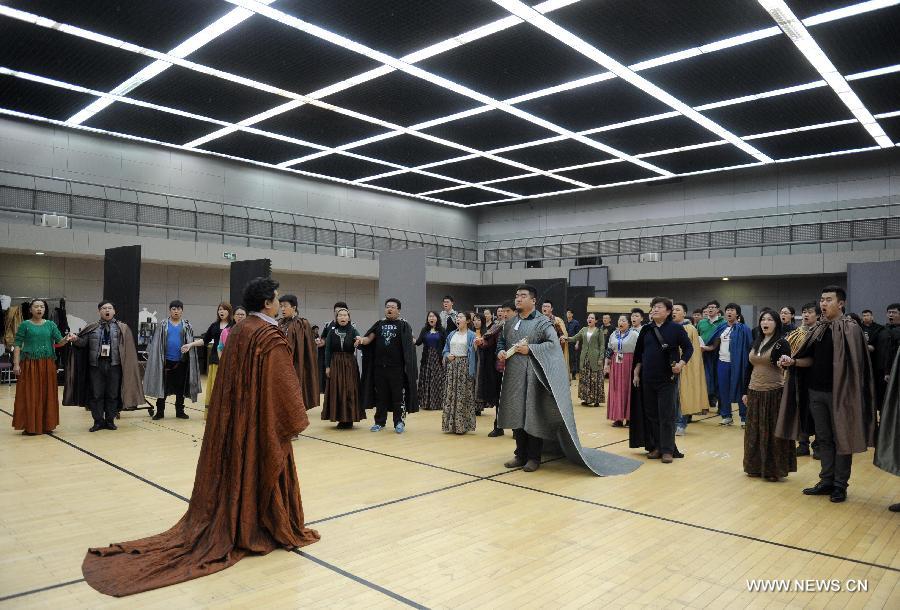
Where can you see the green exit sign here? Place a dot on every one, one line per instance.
(229, 255)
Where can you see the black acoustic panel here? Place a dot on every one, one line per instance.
(891, 128)
(242, 272)
(409, 150)
(468, 196)
(862, 42)
(342, 166)
(160, 25)
(402, 99)
(636, 31)
(755, 67)
(512, 62)
(257, 148)
(879, 93)
(395, 27)
(657, 135)
(477, 170)
(554, 290)
(725, 155)
(810, 107)
(41, 100)
(817, 141)
(410, 182)
(52, 54)
(319, 125)
(576, 300)
(533, 185)
(604, 103)
(563, 153)
(283, 56)
(148, 123)
(490, 130)
(610, 173)
(122, 283)
(205, 95)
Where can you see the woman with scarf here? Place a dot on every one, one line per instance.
(619, 364)
(459, 397)
(342, 390)
(431, 370)
(591, 357)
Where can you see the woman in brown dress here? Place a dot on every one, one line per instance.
(764, 455)
(342, 371)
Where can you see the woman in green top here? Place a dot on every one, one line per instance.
(37, 396)
(593, 349)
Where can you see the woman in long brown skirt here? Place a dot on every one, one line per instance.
(36, 409)
(765, 455)
(342, 391)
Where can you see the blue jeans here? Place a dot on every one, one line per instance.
(724, 373)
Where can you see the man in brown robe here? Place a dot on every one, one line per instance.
(246, 497)
(303, 343)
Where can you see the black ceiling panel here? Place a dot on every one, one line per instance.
(478, 169)
(817, 141)
(512, 62)
(635, 31)
(160, 25)
(604, 103)
(810, 107)
(564, 153)
(891, 128)
(657, 135)
(862, 42)
(321, 126)
(703, 159)
(490, 130)
(257, 148)
(879, 93)
(469, 195)
(148, 123)
(411, 182)
(609, 173)
(395, 27)
(755, 67)
(402, 99)
(41, 100)
(409, 150)
(205, 95)
(52, 54)
(533, 185)
(342, 166)
(277, 54)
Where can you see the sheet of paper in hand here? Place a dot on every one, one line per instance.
(512, 350)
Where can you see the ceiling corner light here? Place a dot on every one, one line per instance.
(40, 253)
(724, 279)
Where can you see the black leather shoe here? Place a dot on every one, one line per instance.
(820, 489)
(111, 426)
(95, 427)
(181, 415)
(894, 508)
(531, 466)
(802, 450)
(159, 415)
(495, 433)
(838, 495)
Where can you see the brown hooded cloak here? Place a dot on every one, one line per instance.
(305, 355)
(246, 497)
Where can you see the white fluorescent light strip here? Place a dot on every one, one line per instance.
(547, 26)
(198, 40)
(800, 36)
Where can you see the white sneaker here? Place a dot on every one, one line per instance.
(726, 421)
(679, 431)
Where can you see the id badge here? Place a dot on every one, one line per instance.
(620, 357)
(104, 350)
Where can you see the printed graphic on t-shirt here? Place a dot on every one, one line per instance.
(388, 333)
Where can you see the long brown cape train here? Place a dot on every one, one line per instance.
(246, 496)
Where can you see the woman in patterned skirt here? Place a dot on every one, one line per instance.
(459, 397)
(431, 371)
(593, 350)
(619, 357)
(342, 391)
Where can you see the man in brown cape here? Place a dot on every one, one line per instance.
(835, 387)
(246, 497)
(102, 369)
(303, 343)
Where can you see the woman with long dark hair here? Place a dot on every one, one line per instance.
(342, 372)
(487, 379)
(764, 454)
(36, 410)
(591, 362)
(431, 370)
(211, 338)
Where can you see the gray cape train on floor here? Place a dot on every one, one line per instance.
(536, 390)
(887, 449)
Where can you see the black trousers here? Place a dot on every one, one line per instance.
(175, 381)
(388, 393)
(659, 402)
(835, 466)
(528, 447)
(106, 383)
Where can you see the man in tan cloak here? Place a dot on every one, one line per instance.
(303, 343)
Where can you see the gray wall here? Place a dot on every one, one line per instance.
(403, 277)
(873, 286)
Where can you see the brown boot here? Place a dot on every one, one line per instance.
(516, 462)
(531, 466)
(653, 455)
(666, 458)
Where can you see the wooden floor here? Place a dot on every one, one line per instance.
(431, 520)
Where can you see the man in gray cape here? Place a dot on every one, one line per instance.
(172, 366)
(535, 400)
